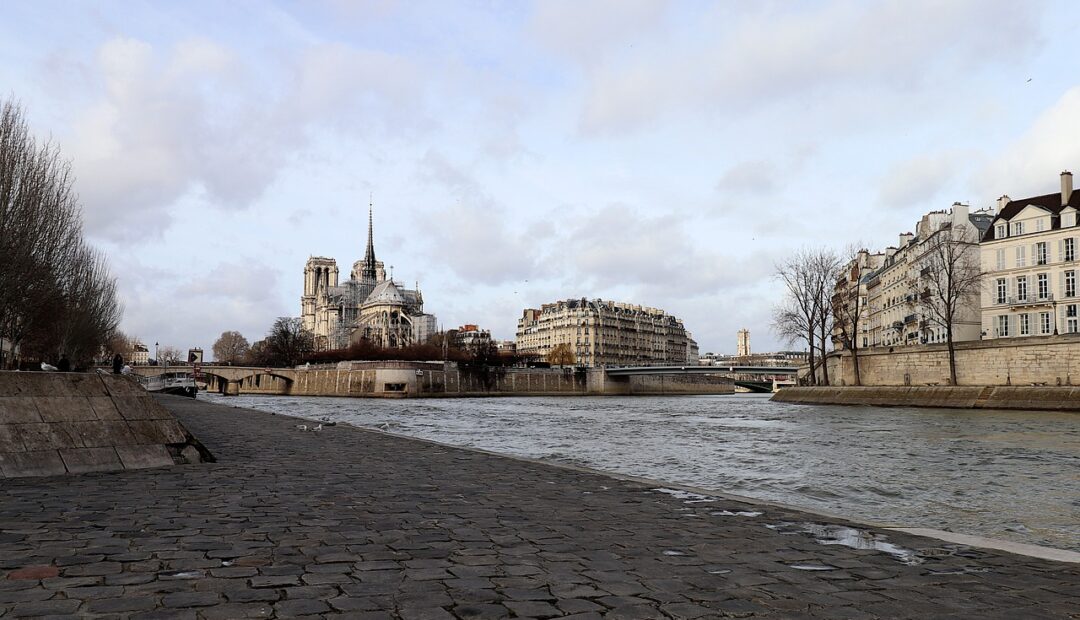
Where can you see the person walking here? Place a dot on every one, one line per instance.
(117, 364)
(64, 365)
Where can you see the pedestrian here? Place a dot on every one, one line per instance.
(117, 364)
(64, 365)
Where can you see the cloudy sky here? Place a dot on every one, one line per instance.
(661, 153)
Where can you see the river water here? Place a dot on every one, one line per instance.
(1013, 475)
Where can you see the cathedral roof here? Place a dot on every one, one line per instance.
(386, 292)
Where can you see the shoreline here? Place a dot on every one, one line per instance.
(974, 540)
(1004, 397)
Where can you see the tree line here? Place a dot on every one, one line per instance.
(57, 296)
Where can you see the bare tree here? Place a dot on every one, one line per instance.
(231, 347)
(169, 355)
(56, 295)
(805, 314)
(288, 342)
(953, 279)
(849, 303)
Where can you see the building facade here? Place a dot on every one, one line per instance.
(368, 306)
(1029, 253)
(606, 333)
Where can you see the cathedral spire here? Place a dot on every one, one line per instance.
(369, 256)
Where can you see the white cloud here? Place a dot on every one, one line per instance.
(1029, 166)
(919, 180)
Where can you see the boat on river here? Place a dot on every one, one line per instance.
(178, 383)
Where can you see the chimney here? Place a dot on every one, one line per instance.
(1066, 187)
(1001, 202)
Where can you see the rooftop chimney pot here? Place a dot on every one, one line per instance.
(1066, 187)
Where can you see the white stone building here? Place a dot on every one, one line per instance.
(742, 343)
(606, 333)
(1030, 255)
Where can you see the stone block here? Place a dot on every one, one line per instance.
(140, 407)
(83, 460)
(104, 408)
(86, 384)
(121, 385)
(100, 433)
(64, 408)
(9, 438)
(157, 431)
(38, 463)
(48, 436)
(142, 457)
(18, 410)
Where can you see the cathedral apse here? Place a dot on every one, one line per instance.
(368, 306)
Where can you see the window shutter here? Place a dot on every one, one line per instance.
(1061, 250)
(1061, 285)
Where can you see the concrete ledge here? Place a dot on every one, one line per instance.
(56, 423)
(1049, 398)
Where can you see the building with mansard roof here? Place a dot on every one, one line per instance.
(368, 306)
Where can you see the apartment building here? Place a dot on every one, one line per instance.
(1030, 255)
(606, 333)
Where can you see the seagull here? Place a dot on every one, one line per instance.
(317, 428)
(385, 426)
(302, 427)
(1029, 79)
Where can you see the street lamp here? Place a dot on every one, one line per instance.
(156, 358)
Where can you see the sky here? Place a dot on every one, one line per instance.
(667, 154)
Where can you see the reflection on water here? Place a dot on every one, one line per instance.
(1013, 475)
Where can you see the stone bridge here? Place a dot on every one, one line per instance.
(228, 380)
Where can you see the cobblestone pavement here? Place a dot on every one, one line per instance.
(348, 522)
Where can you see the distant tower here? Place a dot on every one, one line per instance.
(743, 345)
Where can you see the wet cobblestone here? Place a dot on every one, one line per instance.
(353, 523)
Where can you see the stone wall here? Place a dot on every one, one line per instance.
(1050, 398)
(57, 423)
(1049, 360)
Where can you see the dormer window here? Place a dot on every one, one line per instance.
(1040, 224)
(1018, 228)
(1068, 219)
(1002, 231)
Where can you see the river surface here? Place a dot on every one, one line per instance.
(1013, 475)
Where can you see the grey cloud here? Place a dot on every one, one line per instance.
(918, 181)
(749, 176)
(747, 57)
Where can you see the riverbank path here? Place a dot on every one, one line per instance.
(348, 522)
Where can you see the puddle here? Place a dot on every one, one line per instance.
(812, 567)
(963, 570)
(850, 537)
(736, 513)
(687, 496)
(181, 574)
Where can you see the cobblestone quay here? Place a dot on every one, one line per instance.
(361, 524)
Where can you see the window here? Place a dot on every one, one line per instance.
(1068, 219)
(1044, 322)
(1018, 228)
(1071, 326)
(1070, 283)
(1021, 256)
(1040, 224)
(1025, 324)
(1044, 286)
(1021, 288)
(1040, 252)
(1002, 231)
(1001, 328)
(1000, 256)
(1070, 249)
(1001, 290)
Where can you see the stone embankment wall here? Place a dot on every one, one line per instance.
(57, 423)
(1050, 398)
(1046, 360)
(435, 379)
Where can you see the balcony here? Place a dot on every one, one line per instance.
(1029, 300)
(911, 318)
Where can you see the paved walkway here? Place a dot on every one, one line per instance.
(360, 524)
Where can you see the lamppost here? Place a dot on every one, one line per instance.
(156, 358)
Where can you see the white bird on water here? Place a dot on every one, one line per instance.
(385, 426)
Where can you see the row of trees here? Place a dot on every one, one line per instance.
(56, 293)
(825, 298)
